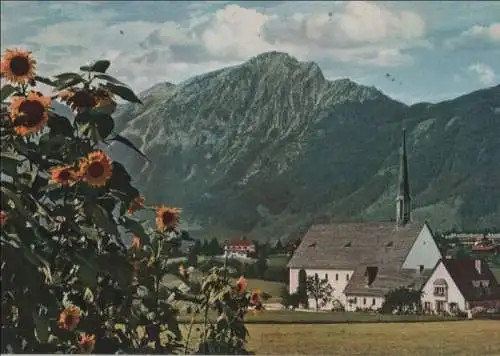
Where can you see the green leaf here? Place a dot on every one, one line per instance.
(64, 84)
(41, 327)
(105, 125)
(109, 78)
(59, 125)
(128, 143)
(6, 91)
(136, 228)
(90, 232)
(100, 66)
(123, 92)
(52, 143)
(67, 76)
(102, 218)
(88, 271)
(19, 206)
(45, 81)
(10, 162)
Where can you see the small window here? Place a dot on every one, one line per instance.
(326, 276)
(355, 300)
(316, 276)
(336, 276)
(364, 301)
(373, 301)
(348, 244)
(347, 277)
(389, 244)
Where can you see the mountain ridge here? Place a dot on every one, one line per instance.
(269, 146)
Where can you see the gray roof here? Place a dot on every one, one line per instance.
(387, 278)
(349, 245)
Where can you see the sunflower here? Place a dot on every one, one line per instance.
(64, 175)
(86, 343)
(3, 217)
(167, 217)
(136, 242)
(70, 318)
(97, 169)
(29, 113)
(241, 285)
(136, 204)
(77, 99)
(255, 297)
(18, 66)
(104, 101)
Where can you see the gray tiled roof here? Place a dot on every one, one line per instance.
(349, 245)
(388, 278)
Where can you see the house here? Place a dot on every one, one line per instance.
(460, 285)
(364, 260)
(238, 248)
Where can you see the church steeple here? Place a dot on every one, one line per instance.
(403, 200)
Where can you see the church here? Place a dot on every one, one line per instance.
(364, 260)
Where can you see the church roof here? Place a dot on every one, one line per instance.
(349, 245)
(388, 278)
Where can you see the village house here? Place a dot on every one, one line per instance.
(364, 260)
(460, 285)
(238, 248)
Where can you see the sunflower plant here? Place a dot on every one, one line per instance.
(69, 284)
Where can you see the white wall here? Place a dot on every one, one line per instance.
(338, 285)
(364, 302)
(453, 295)
(423, 252)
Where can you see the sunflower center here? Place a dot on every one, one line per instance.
(32, 112)
(96, 169)
(82, 99)
(64, 175)
(68, 320)
(20, 65)
(168, 218)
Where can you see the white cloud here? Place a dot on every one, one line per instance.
(475, 36)
(361, 33)
(485, 74)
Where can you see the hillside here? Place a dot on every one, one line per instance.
(270, 146)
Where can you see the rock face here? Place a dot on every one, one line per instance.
(270, 146)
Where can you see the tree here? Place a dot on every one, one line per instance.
(302, 289)
(261, 265)
(278, 248)
(192, 257)
(320, 290)
(402, 300)
(214, 248)
(197, 247)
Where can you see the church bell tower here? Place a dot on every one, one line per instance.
(403, 200)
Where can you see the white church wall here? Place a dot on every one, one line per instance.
(423, 252)
(338, 279)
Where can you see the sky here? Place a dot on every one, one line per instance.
(411, 50)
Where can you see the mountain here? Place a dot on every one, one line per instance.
(270, 146)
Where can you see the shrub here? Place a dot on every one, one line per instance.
(69, 284)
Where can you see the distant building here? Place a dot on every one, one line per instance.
(364, 261)
(460, 284)
(239, 248)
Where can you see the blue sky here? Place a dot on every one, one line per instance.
(434, 50)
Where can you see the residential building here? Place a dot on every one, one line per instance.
(459, 285)
(365, 260)
(239, 248)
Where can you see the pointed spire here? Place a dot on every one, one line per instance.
(403, 199)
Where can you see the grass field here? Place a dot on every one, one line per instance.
(459, 338)
(303, 317)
